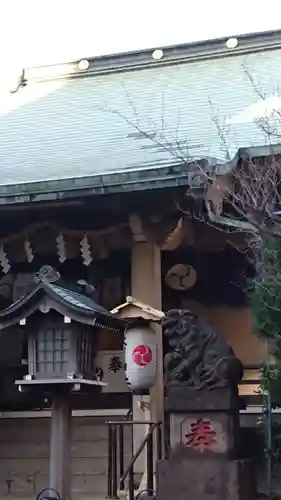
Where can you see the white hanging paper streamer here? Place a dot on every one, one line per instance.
(61, 247)
(4, 261)
(28, 250)
(85, 251)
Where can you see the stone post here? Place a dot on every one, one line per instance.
(204, 462)
(60, 469)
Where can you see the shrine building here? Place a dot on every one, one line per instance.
(100, 182)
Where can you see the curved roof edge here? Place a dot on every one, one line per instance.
(120, 182)
(67, 300)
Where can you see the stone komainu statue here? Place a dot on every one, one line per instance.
(200, 358)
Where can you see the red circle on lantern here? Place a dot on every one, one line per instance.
(142, 355)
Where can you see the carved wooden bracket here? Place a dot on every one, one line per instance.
(136, 225)
(168, 233)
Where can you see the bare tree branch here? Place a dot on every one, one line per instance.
(240, 196)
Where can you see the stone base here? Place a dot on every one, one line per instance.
(205, 479)
(181, 398)
(218, 410)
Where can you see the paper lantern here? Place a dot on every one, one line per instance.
(140, 358)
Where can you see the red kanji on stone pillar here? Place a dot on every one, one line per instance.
(201, 435)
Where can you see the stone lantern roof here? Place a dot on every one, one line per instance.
(74, 301)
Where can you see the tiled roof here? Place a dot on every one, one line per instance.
(72, 128)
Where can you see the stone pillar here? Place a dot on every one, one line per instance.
(204, 447)
(146, 286)
(60, 469)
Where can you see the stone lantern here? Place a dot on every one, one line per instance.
(61, 324)
(60, 349)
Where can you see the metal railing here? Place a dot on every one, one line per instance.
(117, 473)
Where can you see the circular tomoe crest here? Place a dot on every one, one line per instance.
(142, 355)
(181, 277)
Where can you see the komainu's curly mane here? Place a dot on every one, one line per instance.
(200, 357)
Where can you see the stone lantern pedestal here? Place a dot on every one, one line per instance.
(204, 461)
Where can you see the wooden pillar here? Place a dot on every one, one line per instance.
(60, 469)
(146, 286)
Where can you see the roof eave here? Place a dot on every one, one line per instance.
(81, 315)
(27, 305)
(23, 308)
(114, 183)
(65, 189)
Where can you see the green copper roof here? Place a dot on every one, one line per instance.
(68, 134)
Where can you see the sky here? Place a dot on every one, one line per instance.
(39, 32)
